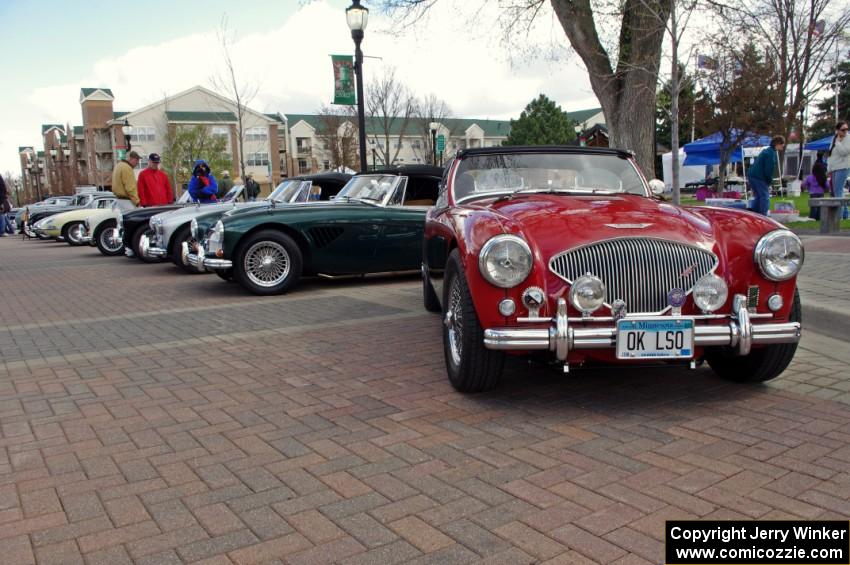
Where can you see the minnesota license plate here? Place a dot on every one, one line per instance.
(655, 339)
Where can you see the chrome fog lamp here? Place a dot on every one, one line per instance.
(215, 243)
(710, 293)
(507, 307)
(775, 302)
(779, 255)
(505, 261)
(587, 293)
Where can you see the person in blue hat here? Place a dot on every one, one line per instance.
(202, 186)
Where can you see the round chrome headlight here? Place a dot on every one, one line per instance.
(505, 261)
(587, 293)
(779, 255)
(710, 293)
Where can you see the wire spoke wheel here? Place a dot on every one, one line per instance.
(109, 241)
(454, 322)
(75, 234)
(267, 263)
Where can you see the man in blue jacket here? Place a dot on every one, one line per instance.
(202, 186)
(761, 173)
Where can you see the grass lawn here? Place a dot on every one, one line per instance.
(801, 203)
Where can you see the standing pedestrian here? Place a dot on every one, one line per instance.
(5, 206)
(154, 186)
(838, 163)
(202, 186)
(224, 184)
(760, 174)
(252, 189)
(124, 182)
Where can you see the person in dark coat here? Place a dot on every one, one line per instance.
(760, 174)
(224, 184)
(5, 206)
(202, 186)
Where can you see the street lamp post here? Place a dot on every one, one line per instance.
(127, 129)
(357, 16)
(434, 126)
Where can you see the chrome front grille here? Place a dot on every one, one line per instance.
(640, 271)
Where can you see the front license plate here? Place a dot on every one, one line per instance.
(655, 339)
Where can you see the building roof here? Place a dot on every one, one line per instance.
(277, 117)
(582, 116)
(46, 127)
(78, 130)
(25, 148)
(198, 117)
(457, 126)
(89, 91)
(119, 114)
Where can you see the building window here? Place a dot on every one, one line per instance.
(256, 134)
(141, 134)
(399, 144)
(416, 144)
(257, 159)
(302, 144)
(302, 166)
(220, 131)
(143, 163)
(326, 164)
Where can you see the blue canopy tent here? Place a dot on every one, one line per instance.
(706, 151)
(821, 144)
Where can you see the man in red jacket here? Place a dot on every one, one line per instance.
(154, 186)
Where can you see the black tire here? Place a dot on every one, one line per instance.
(225, 274)
(471, 366)
(285, 271)
(71, 233)
(144, 229)
(429, 297)
(762, 364)
(175, 251)
(100, 236)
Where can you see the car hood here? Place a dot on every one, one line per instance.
(188, 212)
(73, 215)
(151, 210)
(556, 222)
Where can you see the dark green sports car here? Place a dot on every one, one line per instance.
(374, 225)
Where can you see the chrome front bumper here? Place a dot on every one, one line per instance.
(151, 252)
(207, 263)
(560, 338)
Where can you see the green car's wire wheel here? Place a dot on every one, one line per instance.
(267, 263)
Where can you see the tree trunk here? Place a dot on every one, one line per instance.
(627, 93)
(674, 104)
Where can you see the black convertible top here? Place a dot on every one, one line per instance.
(575, 149)
(416, 170)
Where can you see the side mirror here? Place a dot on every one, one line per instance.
(656, 187)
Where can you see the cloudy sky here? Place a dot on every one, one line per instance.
(53, 48)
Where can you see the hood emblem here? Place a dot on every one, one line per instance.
(688, 271)
(628, 226)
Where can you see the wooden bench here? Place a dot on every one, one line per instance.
(830, 213)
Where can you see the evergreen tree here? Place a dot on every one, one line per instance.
(687, 98)
(542, 123)
(824, 123)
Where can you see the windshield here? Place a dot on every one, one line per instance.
(485, 175)
(286, 191)
(232, 194)
(370, 188)
(185, 198)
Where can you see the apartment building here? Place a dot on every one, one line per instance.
(310, 152)
(86, 154)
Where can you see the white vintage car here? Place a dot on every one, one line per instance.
(68, 226)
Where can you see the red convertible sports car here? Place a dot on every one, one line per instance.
(568, 252)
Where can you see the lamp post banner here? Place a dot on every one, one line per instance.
(343, 80)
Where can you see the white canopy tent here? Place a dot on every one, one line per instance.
(686, 174)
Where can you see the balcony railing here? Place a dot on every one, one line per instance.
(304, 150)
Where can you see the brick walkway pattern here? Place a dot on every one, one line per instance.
(152, 417)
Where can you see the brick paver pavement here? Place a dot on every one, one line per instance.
(152, 417)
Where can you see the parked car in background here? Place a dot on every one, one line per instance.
(306, 188)
(167, 231)
(35, 212)
(565, 252)
(68, 226)
(373, 225)
(134, 223)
